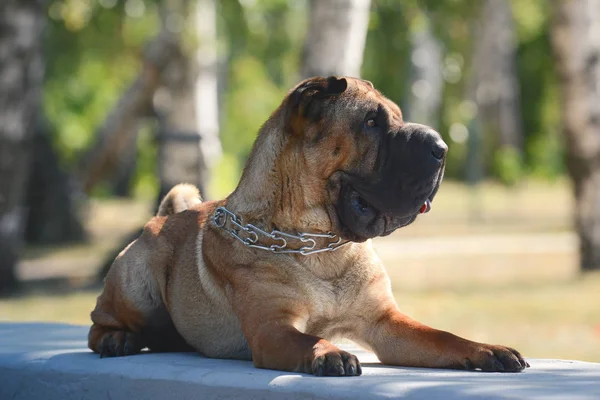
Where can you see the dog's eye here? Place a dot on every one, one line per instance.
(371, 123)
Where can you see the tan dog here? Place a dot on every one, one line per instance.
(283, 265)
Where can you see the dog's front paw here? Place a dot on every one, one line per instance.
(119, 343)
(336, 363)
(491, 358)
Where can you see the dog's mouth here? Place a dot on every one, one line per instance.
(361, 217)
(363, 208)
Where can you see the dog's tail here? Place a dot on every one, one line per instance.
(180, 198)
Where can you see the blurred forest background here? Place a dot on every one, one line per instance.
(106, 104)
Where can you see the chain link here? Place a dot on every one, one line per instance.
(222, 215)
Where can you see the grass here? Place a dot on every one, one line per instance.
(71, 308)
(490, 208)
(547, 313)
(542, 321)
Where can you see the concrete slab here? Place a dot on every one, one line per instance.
(51, 361)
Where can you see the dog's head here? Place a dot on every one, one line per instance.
(377, 172)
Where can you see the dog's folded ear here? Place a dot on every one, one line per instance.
(306, 99)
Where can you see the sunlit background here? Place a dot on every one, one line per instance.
(126, 98)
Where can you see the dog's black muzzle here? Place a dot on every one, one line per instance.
(408, 172)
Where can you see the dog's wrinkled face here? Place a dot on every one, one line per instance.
(379, 172)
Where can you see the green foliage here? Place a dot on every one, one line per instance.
(387, 49)
(146, 178)
(249, 102)
(539, 90)
(92, 56)
(262, 66)
(508, 165)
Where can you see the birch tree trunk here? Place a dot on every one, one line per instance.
(336, 37)
(427, 82)
(21, 75)
(179, 156)
(575, 34)
(497, 88)
(189, 123)
(207, 81)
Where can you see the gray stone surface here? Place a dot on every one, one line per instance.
(51, 361)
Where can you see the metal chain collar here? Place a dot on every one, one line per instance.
(253, 235)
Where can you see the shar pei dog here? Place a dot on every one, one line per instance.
(284, 265)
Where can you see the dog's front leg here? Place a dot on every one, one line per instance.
(400, 340)
(277, 344)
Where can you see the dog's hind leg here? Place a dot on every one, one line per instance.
(131, 313)
(126, 307)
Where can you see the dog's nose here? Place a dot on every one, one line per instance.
(424, 143)
(439, 149)
(434, 140)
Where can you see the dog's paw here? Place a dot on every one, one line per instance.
(491, 358)
(119, 343)
(336, 363)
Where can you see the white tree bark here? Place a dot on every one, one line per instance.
(497, 88)
(576, 44)
(207, 101)
(336, 37)
(427, 82)
(188, 102)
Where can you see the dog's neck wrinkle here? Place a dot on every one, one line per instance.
(254, 195)
(289, 204)
(268, 198)
(299, 200)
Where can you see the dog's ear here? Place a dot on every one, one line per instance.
(306, 99)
